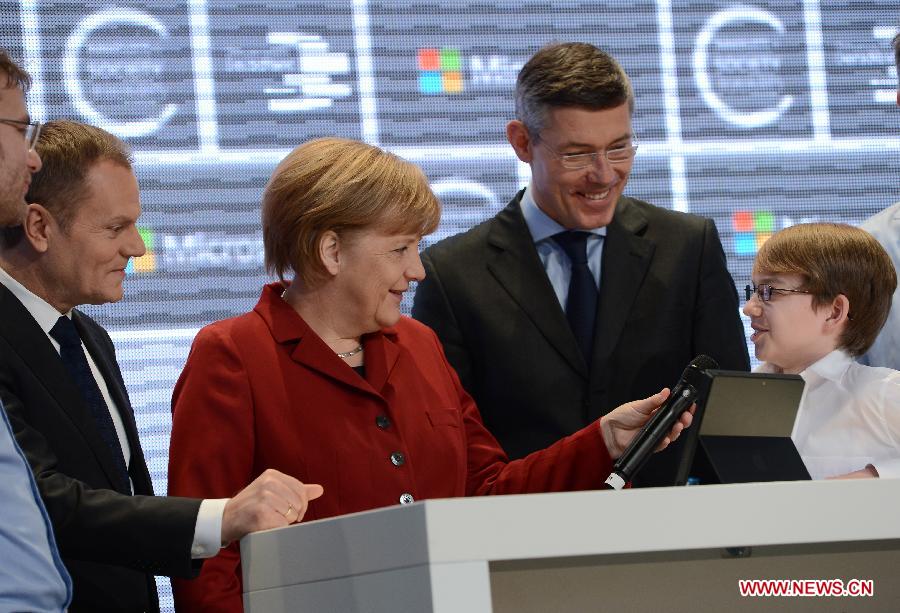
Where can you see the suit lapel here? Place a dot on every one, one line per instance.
(517, 267)
(626, 259)
(30, 342)
(288, 328)
(105, 361)
(381, 357)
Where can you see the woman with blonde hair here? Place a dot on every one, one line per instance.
(326, 381)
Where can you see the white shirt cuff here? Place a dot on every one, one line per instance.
(208, 529)
(887, 469)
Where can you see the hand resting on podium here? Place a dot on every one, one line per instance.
(272, 500)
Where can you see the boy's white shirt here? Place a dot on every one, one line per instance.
(849, 417)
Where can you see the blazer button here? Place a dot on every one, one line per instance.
(406, 498)
(383, 422)
(398, 459)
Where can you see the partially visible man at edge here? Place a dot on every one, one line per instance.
(32, 575)
(66, 398)
(885, 227)
(515, 300)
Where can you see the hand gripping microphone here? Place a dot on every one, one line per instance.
(680, 400)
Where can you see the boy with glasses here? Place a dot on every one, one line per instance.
(821, 292)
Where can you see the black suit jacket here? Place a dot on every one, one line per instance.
(111, 542)
(665, 297)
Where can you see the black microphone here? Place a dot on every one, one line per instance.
(680, 400)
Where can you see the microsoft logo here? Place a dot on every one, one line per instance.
(440, 71)
(147, 262)
(751, 230)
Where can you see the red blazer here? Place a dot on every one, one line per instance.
(262, 390)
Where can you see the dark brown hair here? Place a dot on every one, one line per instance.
(569, 75)
(15, 76)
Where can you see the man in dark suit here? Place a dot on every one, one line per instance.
(515, 300)
(66, 399)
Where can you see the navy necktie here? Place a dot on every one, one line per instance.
(73, 358)
(581, 304)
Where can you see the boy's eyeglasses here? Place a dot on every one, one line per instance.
(764, 292)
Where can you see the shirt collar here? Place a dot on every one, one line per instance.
(540, 225)
(832, 367)
(44, 314)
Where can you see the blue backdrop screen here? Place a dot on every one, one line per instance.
(757, 115)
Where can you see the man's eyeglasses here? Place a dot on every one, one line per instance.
(765, 291)
(617, 155)
(31, 130)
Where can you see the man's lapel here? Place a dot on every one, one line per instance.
(31, 344)
(516, 266)
(626, 259)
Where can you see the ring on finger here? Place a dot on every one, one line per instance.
(289, 510)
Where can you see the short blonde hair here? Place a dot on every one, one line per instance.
(836, 259)
(344, 186)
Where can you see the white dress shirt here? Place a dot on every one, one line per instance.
(208, 529)
(849, 417)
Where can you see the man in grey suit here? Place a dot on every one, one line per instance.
(575, 298)
(66, 398)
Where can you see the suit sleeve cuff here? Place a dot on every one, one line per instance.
(208, 529)
(887, 469)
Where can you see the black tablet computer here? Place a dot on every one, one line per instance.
(742, 430)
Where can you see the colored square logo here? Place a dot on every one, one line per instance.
(745, 243)
(147, 235)
(430, 82)
(742, 221)
(762, 237)
(450, 59)
(440, 71)
(145, 263)
(429, 59)
(764, 221)
(453, 82)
